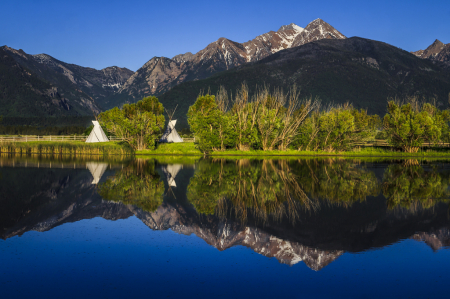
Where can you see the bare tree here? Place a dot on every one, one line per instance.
(222, 99)
(280, 116)
(245, 117)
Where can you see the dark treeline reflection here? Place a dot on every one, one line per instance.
(272, 190)
(264, 188)
(339, 181)
(278, 188)
(409, 184)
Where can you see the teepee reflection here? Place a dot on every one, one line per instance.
(97, 170)
(171, 172)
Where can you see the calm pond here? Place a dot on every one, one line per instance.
(242, 228)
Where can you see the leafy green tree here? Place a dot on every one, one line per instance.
(139, 124)
(206, 121)
(336, 129)
(137, 184)
(408, 126)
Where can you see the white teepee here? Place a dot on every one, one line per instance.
(171, 135)
(97, 170)
(97, 134)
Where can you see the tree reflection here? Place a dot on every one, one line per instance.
(137, 184)
(244, 187)
(335, 180)
(409, 184)
(277, 188)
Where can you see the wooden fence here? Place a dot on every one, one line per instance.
(383, 143)
(29, 138)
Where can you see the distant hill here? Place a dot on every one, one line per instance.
(39, 86)
(356, 70)
(160, 74)
(22, 93)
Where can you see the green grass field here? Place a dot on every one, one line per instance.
(66, 147)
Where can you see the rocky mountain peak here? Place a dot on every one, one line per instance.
(42, 58)
(325, 30)
(436, 44)
(317, 30)
(182, 58)
(437, 51)
(291, 26)
(317, 22)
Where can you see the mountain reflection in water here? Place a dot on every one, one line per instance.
(310, 210)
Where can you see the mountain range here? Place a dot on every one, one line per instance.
(360, 71)
(160, 74)
(319, 59)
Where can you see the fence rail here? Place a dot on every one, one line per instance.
(383, 143)
(29, 138)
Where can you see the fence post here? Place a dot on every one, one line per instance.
(50, 137)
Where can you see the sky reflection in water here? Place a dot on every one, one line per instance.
(356, 248)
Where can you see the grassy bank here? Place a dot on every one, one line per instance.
(186, 149)
(364, 152)
(192, 150)
(66, 148)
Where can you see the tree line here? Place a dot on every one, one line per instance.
(275, 120)
(281, 121)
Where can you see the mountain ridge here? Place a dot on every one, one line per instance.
(160, 74)
(71, 90)
(24, 93)
(360, 71)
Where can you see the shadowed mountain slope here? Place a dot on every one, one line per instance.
(356, 70)
(25, 94)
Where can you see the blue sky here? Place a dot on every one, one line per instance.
(128, 33)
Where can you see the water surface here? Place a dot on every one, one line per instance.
(196, 228)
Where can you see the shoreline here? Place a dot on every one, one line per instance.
(190, 150)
